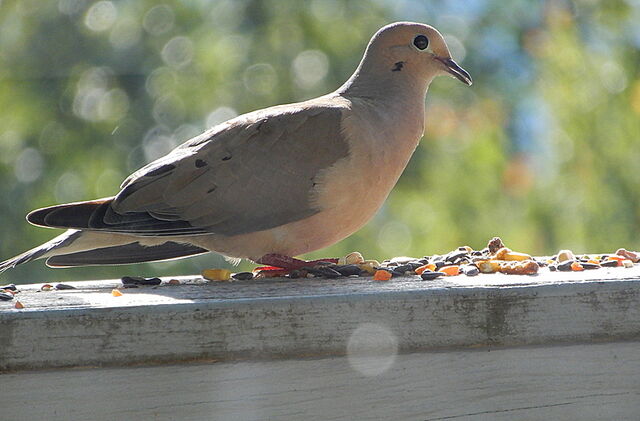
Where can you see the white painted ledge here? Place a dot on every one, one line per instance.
(286, 319)
(597, 382)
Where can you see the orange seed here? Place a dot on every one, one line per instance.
(421, 269)
(452, 270)
(576, 266)
(381, 275)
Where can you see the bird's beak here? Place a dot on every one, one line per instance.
(453, 68)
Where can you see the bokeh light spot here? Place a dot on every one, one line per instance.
(28, 166)
(220, 115)
(395, 238)
(158, 20)
(125, 33)
(70, 187)
(101, 16)
(260, 79)
(178, 52)
(310, 68)
(160, 82)
(157, 142)
(372, 349)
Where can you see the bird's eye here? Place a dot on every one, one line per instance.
(421, 42)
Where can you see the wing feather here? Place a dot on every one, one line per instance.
(251, 173)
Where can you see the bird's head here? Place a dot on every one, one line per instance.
(415, 49)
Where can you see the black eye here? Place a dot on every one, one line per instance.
(421, 42)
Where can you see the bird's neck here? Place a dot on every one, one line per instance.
(398, 93)
(395, 101)
(382, 83)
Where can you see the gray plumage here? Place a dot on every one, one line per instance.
(252, 173)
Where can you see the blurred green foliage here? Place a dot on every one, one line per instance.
(541, 151)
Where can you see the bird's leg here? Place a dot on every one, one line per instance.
(290, 263)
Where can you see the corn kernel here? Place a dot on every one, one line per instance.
(216, 274)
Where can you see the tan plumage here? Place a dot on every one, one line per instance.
(287, 179)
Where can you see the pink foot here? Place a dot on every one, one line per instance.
(290, 263)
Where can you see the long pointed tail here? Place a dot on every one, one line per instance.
(42, 251)
(85, 248)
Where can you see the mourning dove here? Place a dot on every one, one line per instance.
(270, 184)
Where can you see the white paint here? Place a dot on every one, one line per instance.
(561, 383)
(291, 318)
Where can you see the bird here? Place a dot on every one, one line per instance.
(271, 184)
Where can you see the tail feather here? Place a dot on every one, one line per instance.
(98, 215)
(126, 254)
(61, 216)
(63, 240)
(85, 248)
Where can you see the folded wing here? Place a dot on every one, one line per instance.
(249, 174)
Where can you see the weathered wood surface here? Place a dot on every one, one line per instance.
(313, 317)
(563, 383)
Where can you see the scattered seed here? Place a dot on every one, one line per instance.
(403, 269)
(564, 255)
(499, 255)
(576, 267)
(324, 271)
(488, 266)
(270, 273)
(450, 270)
(139, 280)
(216, 274)
(428, 275)
(369, 266)
(565, 266)
(526, 267)
(590, 265)
(610, 263)
(440, 263)
(495, 244)
(348, 270)
(354, 258)
(518, 257)
(470, 270)
(634, 256)
(382, 275)
(242, 276)
(421, 269)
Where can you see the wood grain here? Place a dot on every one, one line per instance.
(288, 319)
(577, 382)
